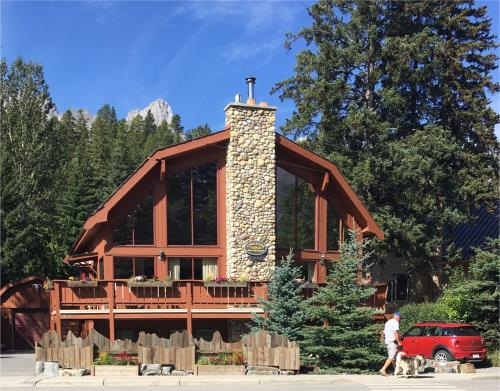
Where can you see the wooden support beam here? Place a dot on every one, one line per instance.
(326, 181)
(163, 170)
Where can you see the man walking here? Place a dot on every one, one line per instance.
(392, 341)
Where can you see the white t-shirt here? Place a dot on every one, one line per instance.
(390, 327)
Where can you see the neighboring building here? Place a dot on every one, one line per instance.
(227, 204)
(25, 313)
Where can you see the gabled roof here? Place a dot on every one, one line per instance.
(100, 216)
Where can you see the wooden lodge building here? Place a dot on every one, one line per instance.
(229, 204)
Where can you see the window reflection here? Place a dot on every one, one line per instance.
(192, 206)
(295, 211)
(137, 227)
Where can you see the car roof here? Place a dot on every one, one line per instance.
(444, 324)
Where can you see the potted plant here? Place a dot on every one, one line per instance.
(87, 283)
(143, 281)
(226, 363)
(222, 281)
(122, 364)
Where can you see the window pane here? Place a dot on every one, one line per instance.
(295, 211)
(143, 221)
(144, 267)
(122, 232)
(285, 209)
(179, 208)
(306, 270)
(123, 267)
(205, 204)
(401, 287)
(306, 200)
(186, 269)
(198, 269)
(332, 229)
(210, 270)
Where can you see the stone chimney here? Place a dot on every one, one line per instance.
(250, 189)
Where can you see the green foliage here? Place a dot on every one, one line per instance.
(340, 335)
(199, 131)
(413, 313)
(493, 357)
(396, 94)
(473, 295)
(284, 313)
(109, 359)
(224, 358)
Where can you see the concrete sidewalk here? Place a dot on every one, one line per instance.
(139, 381)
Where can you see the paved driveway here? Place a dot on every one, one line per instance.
(17, 364)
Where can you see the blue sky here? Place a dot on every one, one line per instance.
(193, 54)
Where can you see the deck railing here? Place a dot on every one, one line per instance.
(117, 294)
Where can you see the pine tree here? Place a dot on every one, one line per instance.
(199, 131)
(340, 335)
(283, 310)
(395, 93)
(122, 165)
(103, 132)
(472, 295)
(29, 158)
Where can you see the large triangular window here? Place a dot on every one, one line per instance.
(137, 227)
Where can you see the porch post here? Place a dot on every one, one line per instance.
(111, 292)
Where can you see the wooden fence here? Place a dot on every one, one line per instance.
(180, 349)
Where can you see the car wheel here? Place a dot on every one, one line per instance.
(442, 355)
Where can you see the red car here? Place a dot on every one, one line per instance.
(444, 342)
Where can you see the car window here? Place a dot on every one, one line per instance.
(433, 331)
(416, 331)
(461, 331)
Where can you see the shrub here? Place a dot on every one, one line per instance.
(413, 313)
(494, 358)
(120, 359)
(226, 358)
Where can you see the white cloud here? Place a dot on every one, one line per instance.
(264, 50)
(256, 15)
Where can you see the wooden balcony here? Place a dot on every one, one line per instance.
(117, 295)
(186, 294)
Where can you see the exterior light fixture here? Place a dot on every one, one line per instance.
(162, 255)
(322, 259)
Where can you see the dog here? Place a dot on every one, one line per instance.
(409, 365)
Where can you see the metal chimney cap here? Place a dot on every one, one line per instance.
(250, 79)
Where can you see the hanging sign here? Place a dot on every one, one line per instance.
(256, 249)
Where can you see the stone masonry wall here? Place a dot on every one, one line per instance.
(250, 188)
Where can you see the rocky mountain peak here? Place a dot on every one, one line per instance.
(160, 109)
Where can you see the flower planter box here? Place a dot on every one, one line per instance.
(160, 284)
(228, 284)
(219, 370)
(82, 284)
(115, 370)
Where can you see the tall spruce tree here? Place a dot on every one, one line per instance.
(284, 314)
(340, 335)
(395, 93)
(29, 160)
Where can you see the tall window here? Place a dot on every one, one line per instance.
(295, 211)
(137, 227)
(397, 287)
(192, 206)
(193, 268)
(333, 229)
(126, 267)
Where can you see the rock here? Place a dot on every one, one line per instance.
(287, 373)
(467, 368)
(73, 372)
(151, 370)
(179, 373)
(166, 370)
(51, 369)
(160, 110)
(261, 370)
(38, 368)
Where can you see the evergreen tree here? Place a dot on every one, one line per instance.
(395, 93)
(176, 125)
(29, 159)
(103, 132)
(340, 335)
(199, 131)
(283, 308)
(137, 140)
(122, 165)
(472, 295)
